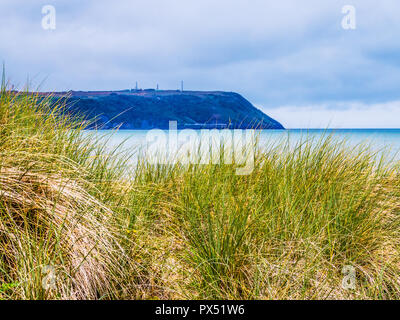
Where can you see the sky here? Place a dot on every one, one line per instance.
(292, 59)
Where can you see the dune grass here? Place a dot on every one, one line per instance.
(72, 208)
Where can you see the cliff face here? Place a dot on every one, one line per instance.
(148, 109)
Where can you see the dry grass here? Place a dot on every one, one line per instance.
(283, 232)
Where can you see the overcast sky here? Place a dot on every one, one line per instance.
(290, 58)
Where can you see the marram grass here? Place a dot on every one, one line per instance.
(286, 231)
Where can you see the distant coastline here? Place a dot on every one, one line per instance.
(135, 109)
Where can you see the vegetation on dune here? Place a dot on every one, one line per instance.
(283, 232)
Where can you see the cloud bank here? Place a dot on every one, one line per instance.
(342, 116)
(275, 53)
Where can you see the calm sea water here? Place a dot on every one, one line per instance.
(380, 140)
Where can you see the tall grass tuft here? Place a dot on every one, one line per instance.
(77, 222)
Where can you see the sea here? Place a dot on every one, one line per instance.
(380, 141)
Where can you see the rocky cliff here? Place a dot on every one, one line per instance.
(147, 109)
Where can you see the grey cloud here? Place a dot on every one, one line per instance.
(274, 53)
